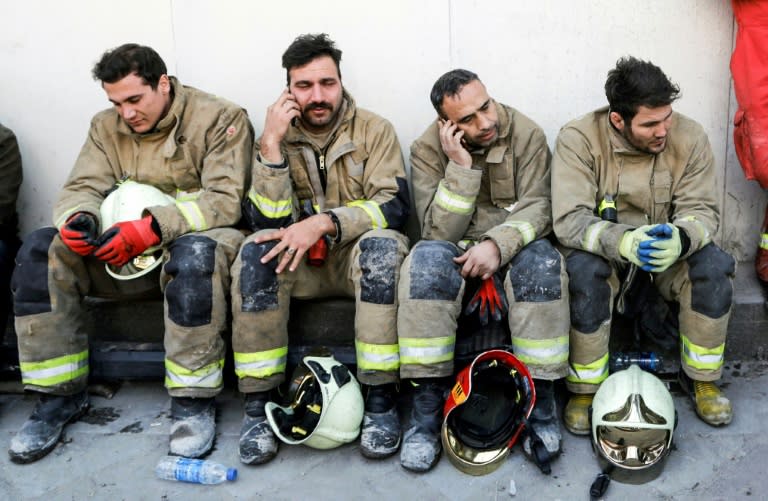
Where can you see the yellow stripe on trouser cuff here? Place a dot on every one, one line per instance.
(541, 351)
(764, 241)
(592, 238)
(425, 351)
(194, 216)
(272, 209)
(55, 371)
(209, 376)
(377, 357)
(452, 202)
(525, 228)
(699, 357)
(373, 210)
(261, 364)
(594, 373)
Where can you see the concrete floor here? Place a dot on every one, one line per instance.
(110, 454)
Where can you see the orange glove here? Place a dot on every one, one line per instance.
(491, 299)
(126, 240)
(80, 233)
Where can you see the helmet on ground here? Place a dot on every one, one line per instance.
(486, 410)
(127, 203)
(633, 419)
(326, 405)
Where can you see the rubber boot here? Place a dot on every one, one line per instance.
(711, 405)
(380, 433)
(258, 443)
(41, 432)
(421, 440)
(194, 426)
(543, 420)
(576, 415)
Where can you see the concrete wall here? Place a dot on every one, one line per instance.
(548, 58)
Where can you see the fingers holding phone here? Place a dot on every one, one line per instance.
(453, 143)
(280, 116)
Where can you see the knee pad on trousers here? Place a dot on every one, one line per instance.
(258, 282)
(29, 281)
(709, 270)
(190, 293)
(535, 273)
(589, 290)
(378, 264)
(432, 272)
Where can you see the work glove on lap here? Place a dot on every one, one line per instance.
(80, 233)
(630, 243)
(126, 240)
(664, 250)
(489, 299)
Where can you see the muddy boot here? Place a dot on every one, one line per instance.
(194, 426)
(711, 405)
(41, 432)
(258, 443)
(543, 420)
(380, 433)
(421, 440)
(576, 415)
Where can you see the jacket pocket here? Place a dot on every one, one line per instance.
(184, 170)
(662, 195)
(354, 170)
(502, 179)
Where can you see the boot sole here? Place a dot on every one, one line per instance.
(371, 454)
(32, 456)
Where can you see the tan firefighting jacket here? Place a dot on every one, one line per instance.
(505, 196)
(592, 159)
(366, 186)
(200, 152)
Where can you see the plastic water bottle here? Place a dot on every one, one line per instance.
(647, 360)
(197, 471)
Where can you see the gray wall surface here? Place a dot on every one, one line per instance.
(548, 58)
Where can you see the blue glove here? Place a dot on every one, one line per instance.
(663, 251)
(630, 244)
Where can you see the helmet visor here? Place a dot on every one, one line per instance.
(639, 438)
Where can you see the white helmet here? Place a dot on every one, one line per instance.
(127, 203)
(633, 419)
(326, 406)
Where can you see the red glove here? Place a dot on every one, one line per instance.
(491, 298)
(80, 233)
(126, 240)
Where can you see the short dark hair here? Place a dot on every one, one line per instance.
(308, 47)
(633, 83)
(449, 85)
(118, 63)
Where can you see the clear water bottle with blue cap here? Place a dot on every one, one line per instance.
(196, 471)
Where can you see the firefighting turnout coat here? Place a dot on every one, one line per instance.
(200, 142)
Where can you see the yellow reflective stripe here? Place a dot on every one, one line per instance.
(764, 241)
(426, 350)
(373, 210)
(272, 209)
(453, 202)
(262, 363)
(55, 371)
(192, 213)
(525, 228)
(541, 351)
(703, 232)
(592, 237)
(209, 376)
(381, 357)
(699, 357)
(594, 373)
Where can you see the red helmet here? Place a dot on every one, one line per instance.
(486, 411)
